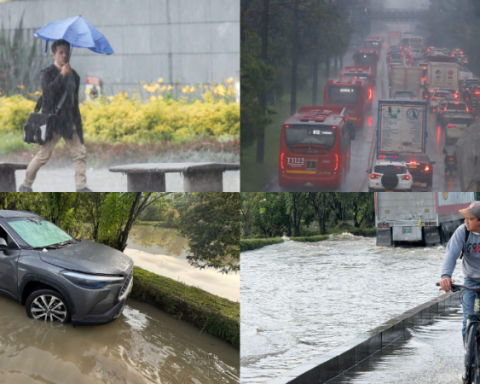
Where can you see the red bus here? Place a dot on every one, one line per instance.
(366, 58)
(347, 93)
(315, 147)
(361, 73)
(373, 43)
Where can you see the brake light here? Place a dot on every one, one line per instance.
(456, 96)
(370, 94)
(406, 177)
(334, 127)
(336, 162)
(477, 93)
(282, 157)
(468, 110)
(434, 98)
(451, 126)
(427, 168)
(445, 110)
(287, 126)
(426, 96)
(374, 176)
(381, 156)
(450, 158)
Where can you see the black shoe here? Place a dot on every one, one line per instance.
(24, 189)
(84, 190)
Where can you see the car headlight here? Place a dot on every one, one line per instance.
(91, 281)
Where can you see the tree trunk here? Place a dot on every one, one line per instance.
(263, 98)
(293, 92)
(315, 80)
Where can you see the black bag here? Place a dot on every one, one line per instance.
(40, 126)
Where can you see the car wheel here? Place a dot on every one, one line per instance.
(47, 305)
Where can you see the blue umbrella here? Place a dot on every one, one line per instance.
(78, 32)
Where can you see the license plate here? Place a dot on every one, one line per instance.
(311, 164)
(412, 166)
(407, 229)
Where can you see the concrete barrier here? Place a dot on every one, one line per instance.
(326, 367)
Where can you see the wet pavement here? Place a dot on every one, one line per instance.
(144, 345)
(164, 251)
(102, 180)
(300, 300)
(428, 354)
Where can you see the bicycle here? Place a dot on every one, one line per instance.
(472, 338)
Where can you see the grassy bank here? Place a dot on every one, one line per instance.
(103, 154)
(211, 314)
(251, 244)
(264, 173)
(310, 239)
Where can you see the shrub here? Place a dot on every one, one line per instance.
(251, 244)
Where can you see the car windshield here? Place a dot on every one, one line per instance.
(39, 233)
(443, 94)
(389, 168)
(365, 58)
(343, 94)
(308, 135)
(456, 107)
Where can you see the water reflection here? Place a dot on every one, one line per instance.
(144, 345)
(156, 240)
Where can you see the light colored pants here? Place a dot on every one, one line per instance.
(79, 154)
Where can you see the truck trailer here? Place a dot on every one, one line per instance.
(429, 217)
(406, 79)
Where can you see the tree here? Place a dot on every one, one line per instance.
(248, 203)
(296, 204)
(212, 225)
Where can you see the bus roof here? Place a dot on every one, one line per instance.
(319, 115)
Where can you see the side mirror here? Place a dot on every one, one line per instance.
(3, 244)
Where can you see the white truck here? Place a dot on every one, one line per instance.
(394, 38)
(406, 79)
(401, 128)
(430, 217)
(441, 73)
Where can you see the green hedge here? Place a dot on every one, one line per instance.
(306, 239)
(251, 244)
(212, 314)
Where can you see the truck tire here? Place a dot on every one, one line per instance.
(389, 181)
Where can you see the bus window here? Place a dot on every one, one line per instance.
(305, 135)
(365, 59)
(343, 95)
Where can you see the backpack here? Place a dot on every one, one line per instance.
(467, 233)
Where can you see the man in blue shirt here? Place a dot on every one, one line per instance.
(471, 259)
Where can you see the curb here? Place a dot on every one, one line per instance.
(335, 362)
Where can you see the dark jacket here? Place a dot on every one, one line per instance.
(53, 87)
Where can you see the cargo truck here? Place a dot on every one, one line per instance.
(401, 128)
(406, 79)
(441, 73)
(429, 217)
(394, 38)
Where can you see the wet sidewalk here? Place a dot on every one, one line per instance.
(102, 180)
(427, 354)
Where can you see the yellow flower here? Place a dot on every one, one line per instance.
(88, 91)
(110, 98)
(21, 86)
(192, 89)
(186, 89)
(229, 80)
(160, 80)
(169, 87)
(152, 98)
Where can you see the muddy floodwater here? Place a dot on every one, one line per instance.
(164, 251)
(300, 300)
(144, 345)
(102, 180)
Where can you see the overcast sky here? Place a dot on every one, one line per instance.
(416, 4)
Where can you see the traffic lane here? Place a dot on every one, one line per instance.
(435, 144)
(428, 354)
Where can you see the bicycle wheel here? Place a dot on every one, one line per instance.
(470, 353)
(476, 373)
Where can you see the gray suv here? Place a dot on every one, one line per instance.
(57, 277)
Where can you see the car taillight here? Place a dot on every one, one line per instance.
(374, 176)
(406, 177)
(450, 158)
(451, 126)
(434, 98)
(282, 158)
(445, 109)
(468, 110)
(370, 94)
(427, 168)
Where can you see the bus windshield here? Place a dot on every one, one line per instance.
(371, 44)
(310, 136)
(343, 94)
(365, 59)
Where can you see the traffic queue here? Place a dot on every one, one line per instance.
(316, 142)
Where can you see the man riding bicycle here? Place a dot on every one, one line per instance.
(467, 239)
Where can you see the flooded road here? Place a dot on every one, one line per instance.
(300, 300)
(433, 354)
(144, 345)
(101, 180)
(164, 251)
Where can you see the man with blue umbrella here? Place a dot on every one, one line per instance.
(60, 85)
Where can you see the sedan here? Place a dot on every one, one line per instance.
(421, 169)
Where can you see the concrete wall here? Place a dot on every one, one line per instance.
(189, 41)
(326, 367)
